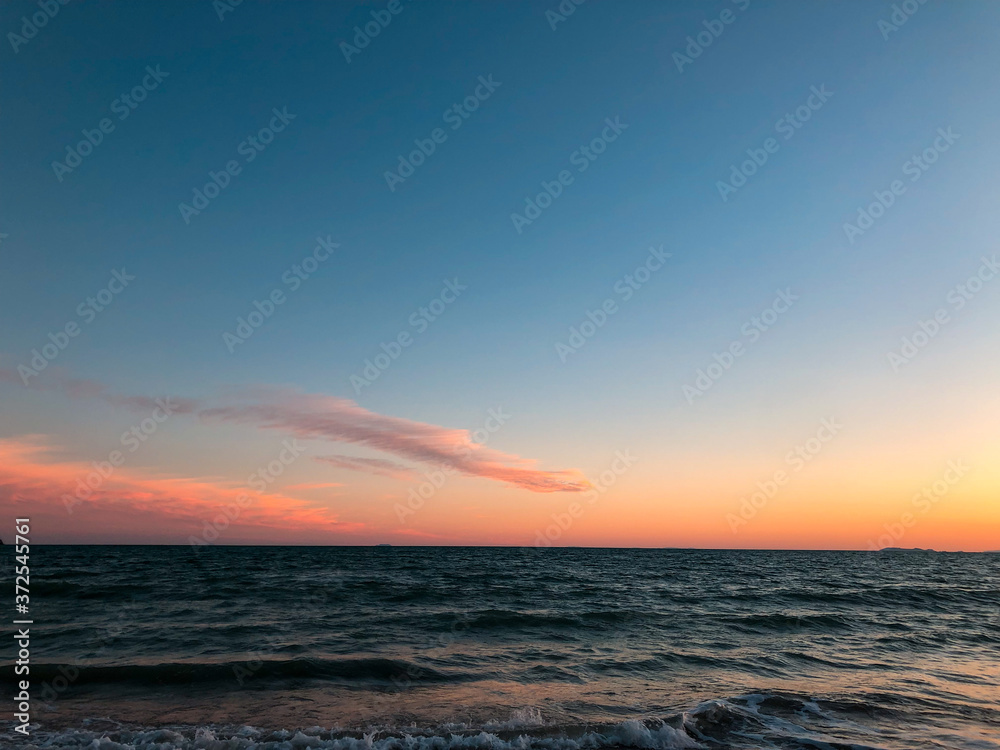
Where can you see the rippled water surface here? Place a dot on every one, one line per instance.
(492, 647)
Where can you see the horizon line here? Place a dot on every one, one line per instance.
(514, 546)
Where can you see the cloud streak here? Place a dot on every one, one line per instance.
(320, 417)
(57, 381)
(136, 505)
(338, 420)
(380, 466)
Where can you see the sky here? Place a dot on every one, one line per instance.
(687, 274)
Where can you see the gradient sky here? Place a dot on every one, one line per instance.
(554, 466)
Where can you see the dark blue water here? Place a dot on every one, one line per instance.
(490, 647)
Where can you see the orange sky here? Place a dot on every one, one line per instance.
(824, 505)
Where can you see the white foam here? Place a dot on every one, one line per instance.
(520, 718)
(628, 734)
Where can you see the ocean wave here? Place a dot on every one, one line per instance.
(753, 721)
(757, 721)
(503, 619)
(784, 622)
(632, 733)
(184, 673)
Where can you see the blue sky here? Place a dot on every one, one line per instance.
(656, 184)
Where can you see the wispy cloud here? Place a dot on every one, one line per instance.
(320, 417)
(312, 486)
(381, 466)
(56, 380)
(339, 420)
(133, 503)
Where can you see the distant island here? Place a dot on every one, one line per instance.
(906, 549)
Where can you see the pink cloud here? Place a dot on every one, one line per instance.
(380, 466)
(312, 486)
(55, 379)
(316, 416)
(142, 507)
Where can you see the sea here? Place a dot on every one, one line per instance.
(434, 648)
